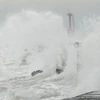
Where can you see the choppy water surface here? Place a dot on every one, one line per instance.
(32, 41)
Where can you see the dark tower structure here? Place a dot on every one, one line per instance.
(71, 23)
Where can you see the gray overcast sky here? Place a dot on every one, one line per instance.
(79, 8)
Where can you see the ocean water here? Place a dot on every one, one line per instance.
(41, 40)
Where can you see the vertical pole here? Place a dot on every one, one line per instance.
(77, 44)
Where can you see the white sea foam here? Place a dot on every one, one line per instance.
(42, 40)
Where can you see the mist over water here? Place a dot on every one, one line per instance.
(30, 27)
(42, 40)
(90, 54)
(31, 30)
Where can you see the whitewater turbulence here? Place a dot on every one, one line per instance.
(33, 32)
(89, 74)
(32, 41)
(37, 41)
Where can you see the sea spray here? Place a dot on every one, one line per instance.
(89, 75)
